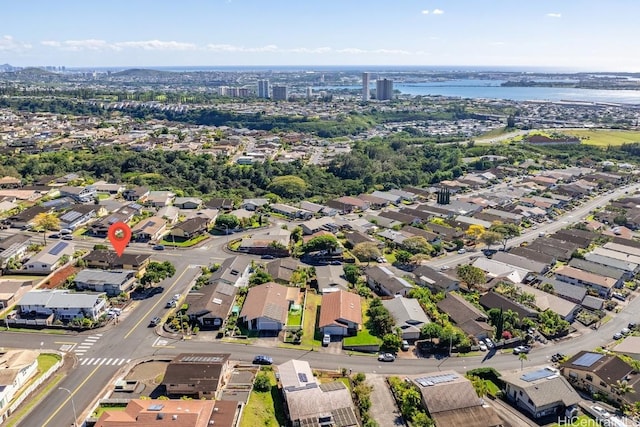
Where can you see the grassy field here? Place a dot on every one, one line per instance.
(363, 338)
(604, 137)
(264, 409)
(294, 318)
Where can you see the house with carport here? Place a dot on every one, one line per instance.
(340, 313)
(266, 307)
(408, 315)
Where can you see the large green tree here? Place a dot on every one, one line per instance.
(472, 276)
(288, 186)
(46, 221)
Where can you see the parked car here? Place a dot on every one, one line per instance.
(54, 236)
(158, 247)
(386, 357)
(335, 263)
(267, 256)
(617, 336)
(176, 297)
(625, 331)
(65, 231)
(155, 290)
(67, 237)
(462, 251)
(326, 340)
(558, 357)
(261, 359)
(405, 345)
(155, 321)
(600, 412)
(483, 346)
(522, 349)
(489, 343)
(381, 259)
(631, 325)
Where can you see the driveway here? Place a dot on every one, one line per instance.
(383, 405)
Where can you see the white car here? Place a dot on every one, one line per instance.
(483, 346)
(600, 412)
(176, 297)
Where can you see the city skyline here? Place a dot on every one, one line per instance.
(572, 35)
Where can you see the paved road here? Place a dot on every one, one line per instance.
(102, 354)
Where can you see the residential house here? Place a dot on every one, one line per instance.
(496, 269)
(254, 204)
(187, 202)
(540, 257)
(190, 228)
(104, 187)
(10, 182)
(354, 238)
(170, 213)
(408, 315)
(210, 306)
(136, 194)
(100, 228)
(220, 204)
(266, 307)
(149, 229)
(233, 271)
(13, 247)
(282, 269)
(384, 282)
(600, 269)
(78, 216)
(630, 268)
(109, 260)
(543, 301)
(347, 204)
(315, 225)
(451, 400)
(495, 300)
(599, 373)
(62, 304)
(311, 403)
(197, 375)
(290, 212)
(564, 290)
(388, 196)
(50, 258)
(12, 290)
(427, 277)
(604, 285)
(340, 313)
(330, 278)
(275, 242)
(81, 194)
(17, 367)
(540, 392)
(521, 262)
(159, 199)
(173, 413)
(374, 201)
(26, 218)
(111, 282)
(466, 316)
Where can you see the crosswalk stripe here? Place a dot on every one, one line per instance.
(96, 361)
(84, 361)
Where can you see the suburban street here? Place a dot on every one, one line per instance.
(110, 349)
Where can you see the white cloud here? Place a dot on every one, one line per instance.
(232, 48)
(156, 45)
(554, 15)
(89, 44)
(425, 12)
(8, 43)
(438, 11)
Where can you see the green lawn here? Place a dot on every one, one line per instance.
(604, 137)
(46, 361)
(363, 338)
(310, 313)
(264, 409)
(186, 243)
(294, 318)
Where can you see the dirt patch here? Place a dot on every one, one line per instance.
(148, 371)
(60, 277)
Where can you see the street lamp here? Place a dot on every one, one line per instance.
(73, 405)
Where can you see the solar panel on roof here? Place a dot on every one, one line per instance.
(58, 248)
(436, 379)
(588, 359)
(537, 375)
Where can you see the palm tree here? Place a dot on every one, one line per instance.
(522, 357)
(623, 387)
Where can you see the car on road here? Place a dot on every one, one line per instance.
(558, 357)
(54, 236)
(386, 357)
(170, 304)
(67, 237)
(326, 340)
(522, 349)
(65, 231)
(155, 321)
(462, 251)
(617, 336)
(483, 346)
(261, 359)
(444, 268)
(489, 252)
(176, 297)
(158, 247)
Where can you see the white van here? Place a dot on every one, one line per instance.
(65, 231)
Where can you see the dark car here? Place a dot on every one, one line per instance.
(386, 357)
(158, 247)
(262, 360)
(54, 236)
(336, 263)
(267, 256)
(155, 290)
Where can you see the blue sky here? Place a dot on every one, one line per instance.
(593, 35)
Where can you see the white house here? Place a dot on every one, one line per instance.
(64, 305)
(48, 259)
(16, 368)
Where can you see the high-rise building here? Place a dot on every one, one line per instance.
(263, 88)
(279, 93)
(365, 87)
(309, 92)
(384, 89)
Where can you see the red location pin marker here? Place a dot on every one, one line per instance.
(119, 236)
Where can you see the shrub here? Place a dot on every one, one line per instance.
(262, 383)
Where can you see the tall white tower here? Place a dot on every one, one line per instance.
(263, 88)
(365, 87)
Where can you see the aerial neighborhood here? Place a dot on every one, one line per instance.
(315, 260)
